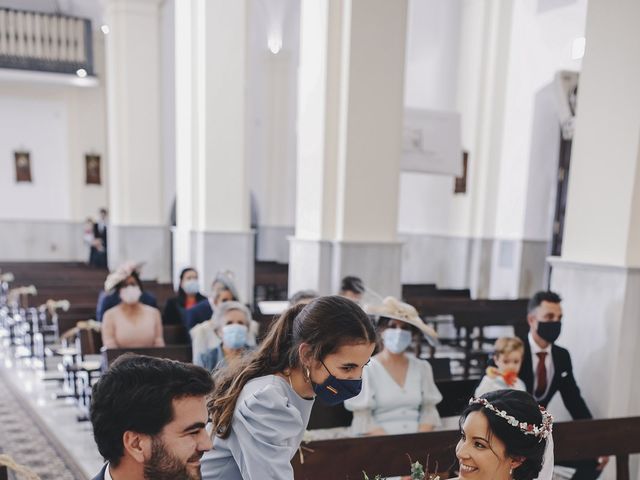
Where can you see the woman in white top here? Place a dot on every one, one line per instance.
(398, 394)
(261, 405)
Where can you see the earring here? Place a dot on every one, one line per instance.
(511, 472)
(307, 375)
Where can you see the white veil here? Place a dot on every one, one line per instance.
(547, 467)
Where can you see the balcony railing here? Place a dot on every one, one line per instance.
(45, 42)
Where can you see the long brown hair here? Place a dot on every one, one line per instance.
(325, 324)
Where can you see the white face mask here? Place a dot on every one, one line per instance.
(130, 294)
(191, 287)
(396, 340)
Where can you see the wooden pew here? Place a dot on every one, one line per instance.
(389, 455)
(181, 353)
(271, 281)
(4, 474)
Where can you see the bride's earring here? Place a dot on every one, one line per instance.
(511, 472)
(307, 375)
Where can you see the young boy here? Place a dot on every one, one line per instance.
(508, 353)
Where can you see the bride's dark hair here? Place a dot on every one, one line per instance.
(523, 407)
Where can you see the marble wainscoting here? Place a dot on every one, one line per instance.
(273, 243)
(34, 240)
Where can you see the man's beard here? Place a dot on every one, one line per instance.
(164, 466)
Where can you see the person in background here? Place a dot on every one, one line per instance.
(352, 288)
(222, 290)
(188, 296)
(99, 245)
(87, 239)
(507, 355)
(399, 394)
(131, 324)
(303, 297)
(261, 406)
(149, 418)
(231, 321)
(547, 369)
(109, 298)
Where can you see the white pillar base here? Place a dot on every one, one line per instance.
(320, 265)
(213, 252)
(149, 244)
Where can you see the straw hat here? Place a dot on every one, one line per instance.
(395, 309)
(121, 273)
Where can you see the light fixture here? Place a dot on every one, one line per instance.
(81, 72)
(577, 48)
(105, 29)
(274, 43)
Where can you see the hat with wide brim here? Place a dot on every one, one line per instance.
(396, 310)
(121, 273)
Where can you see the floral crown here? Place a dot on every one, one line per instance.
(541, 431)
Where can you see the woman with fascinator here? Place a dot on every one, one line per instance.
(505, 435)
(399, 394)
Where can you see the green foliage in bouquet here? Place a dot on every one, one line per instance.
(417, 473)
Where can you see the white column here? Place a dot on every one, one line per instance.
(139, 229)
(213, 232)
(349, 139)
(599, 272)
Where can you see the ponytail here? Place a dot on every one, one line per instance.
(325, 324)
(273, 356)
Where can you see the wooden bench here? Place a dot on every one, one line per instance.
(181, 353)
(4, 473)
(389, 455)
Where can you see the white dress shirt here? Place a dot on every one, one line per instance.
(548, 363)
(107, 475)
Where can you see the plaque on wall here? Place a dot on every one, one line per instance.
(92, 168)
(23, 166)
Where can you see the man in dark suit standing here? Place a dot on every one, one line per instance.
(149, 417)
(546, 369)
(99, 246)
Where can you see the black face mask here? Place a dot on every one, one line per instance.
(549, 331)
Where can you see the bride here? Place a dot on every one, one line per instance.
(504, 436)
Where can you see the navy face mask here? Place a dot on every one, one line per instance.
(549, 331)
(334, 390)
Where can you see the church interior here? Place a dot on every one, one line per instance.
(456, 155)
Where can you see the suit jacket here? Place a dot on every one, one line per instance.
(563, 381)
(100, 476)
(200, 312)
(101, 235)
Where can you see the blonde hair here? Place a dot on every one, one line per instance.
(506, 345)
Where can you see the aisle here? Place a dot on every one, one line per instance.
(39, 431)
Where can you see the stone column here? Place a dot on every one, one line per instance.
(350, 114)
(139, 230)
(599, 272)
(213, 232)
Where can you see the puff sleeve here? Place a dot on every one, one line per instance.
(431, 396)
(363, 404)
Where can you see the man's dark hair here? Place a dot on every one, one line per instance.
(136, 394)
(103, 211)
(352, 284)
(542, 296)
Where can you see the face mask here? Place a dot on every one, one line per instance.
(396, 340)
(334, 390)
(549, 331)
(191, 287)
(130, 294)
(234, 336)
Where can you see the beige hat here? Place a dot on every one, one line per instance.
(395, 309)
(121, 273)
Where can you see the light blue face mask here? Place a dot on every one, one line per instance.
(234, 336)
(396, 340)
(191, 287)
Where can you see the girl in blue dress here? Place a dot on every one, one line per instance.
(260, 407)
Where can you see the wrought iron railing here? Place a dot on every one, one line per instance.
(45, 42)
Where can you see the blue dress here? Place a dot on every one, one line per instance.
(268, 424)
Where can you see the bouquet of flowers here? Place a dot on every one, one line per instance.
(417, 473)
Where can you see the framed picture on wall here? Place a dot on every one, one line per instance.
(92, 168)
(23, 166)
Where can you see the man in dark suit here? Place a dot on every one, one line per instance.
(546, 369)
(99, 247)
(149, 417)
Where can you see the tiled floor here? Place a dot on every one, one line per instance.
(59, 416)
